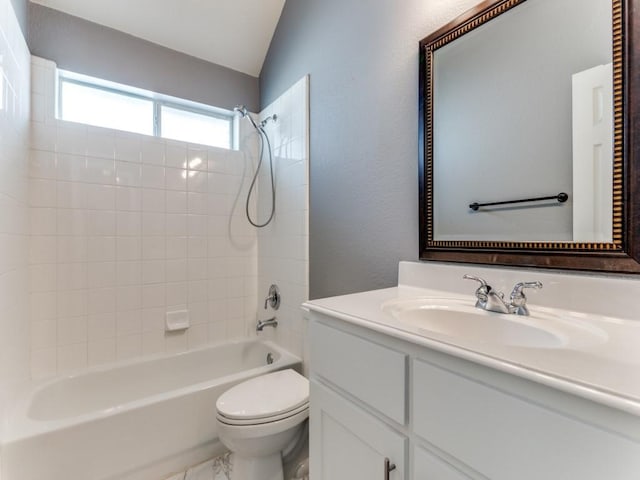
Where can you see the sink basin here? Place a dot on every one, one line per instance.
(461, 319)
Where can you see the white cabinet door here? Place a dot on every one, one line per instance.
(427, 466)
(348, 444)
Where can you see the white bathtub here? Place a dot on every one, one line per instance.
(139, 420)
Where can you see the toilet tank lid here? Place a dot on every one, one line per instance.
(264, 396)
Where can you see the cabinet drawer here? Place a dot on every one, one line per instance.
(370, 372)
(505, 437)
(427, 466)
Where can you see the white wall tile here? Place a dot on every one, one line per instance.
(100, 170)
(16, 250)
(101, 301)
(44, 363)
(128, 224)
(71, 138)
(125, 227)
(176, 179)
(42, 164)
(44, 334)
(176, 154)
(70, 249)
(71, 194)
(176, 202)
(128, 174)
(100, 143)
(42, 193)
(128, 248)
(153, 200)
(128, 198)
(283, 245)
(101, 197)
(72, 330)
(101, 249)
(101, 352)
(128, 147)
(152, 342)
(101, 223)
(152, 151)
(101, 274)
(153, 176)
(129, 347)
(101, 326)
(72, 357)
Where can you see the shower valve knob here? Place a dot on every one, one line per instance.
(274, 297)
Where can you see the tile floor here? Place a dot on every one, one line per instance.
(220, 469)
(217, 469)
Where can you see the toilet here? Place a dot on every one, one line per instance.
(259, 419)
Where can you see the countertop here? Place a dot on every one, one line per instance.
(607, 372)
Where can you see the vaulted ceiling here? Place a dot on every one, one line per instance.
(232, 33)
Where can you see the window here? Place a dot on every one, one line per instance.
(194, 126)
(104, 104)
(89, 104)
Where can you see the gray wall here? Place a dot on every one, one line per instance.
(363, 62)
(85, 47)
(20, 7)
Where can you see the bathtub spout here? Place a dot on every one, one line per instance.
(272, 322)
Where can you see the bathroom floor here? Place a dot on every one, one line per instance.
(217, 469)
(220, 469)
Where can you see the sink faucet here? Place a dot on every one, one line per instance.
(492, 301)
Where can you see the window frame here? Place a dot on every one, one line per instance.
(157, 100)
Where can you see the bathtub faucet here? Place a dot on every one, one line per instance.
(272, 322)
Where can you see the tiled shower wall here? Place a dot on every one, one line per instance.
(283, 244)
(126, 227)
(14, 145)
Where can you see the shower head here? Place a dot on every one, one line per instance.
(241, 109)
(244, 113)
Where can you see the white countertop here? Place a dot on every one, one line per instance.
(606, 372)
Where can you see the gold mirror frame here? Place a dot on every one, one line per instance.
(621, 255)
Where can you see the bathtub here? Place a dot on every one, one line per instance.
(139, 420)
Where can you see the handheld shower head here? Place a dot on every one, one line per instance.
(241, 109)
(244, 113)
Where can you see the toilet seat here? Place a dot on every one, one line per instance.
(260, 421)
(260, 430)
(264, 399)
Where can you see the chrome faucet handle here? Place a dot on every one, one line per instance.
(482, 292)
(273, 298)
(519, 300)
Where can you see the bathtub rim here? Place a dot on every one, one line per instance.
(18, 425)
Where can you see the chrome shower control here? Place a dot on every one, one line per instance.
(274, 297)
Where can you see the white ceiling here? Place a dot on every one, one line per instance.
(232, 33)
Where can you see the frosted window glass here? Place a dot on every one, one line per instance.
(194, 127)
(103, 108)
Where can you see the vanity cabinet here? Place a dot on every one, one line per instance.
(439, 417)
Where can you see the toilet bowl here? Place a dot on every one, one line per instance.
(259, 419)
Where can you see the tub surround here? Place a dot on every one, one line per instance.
(123, 230)
(283, 245)
(15, 87)
(605, 371)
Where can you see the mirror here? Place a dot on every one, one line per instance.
(524, 157)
